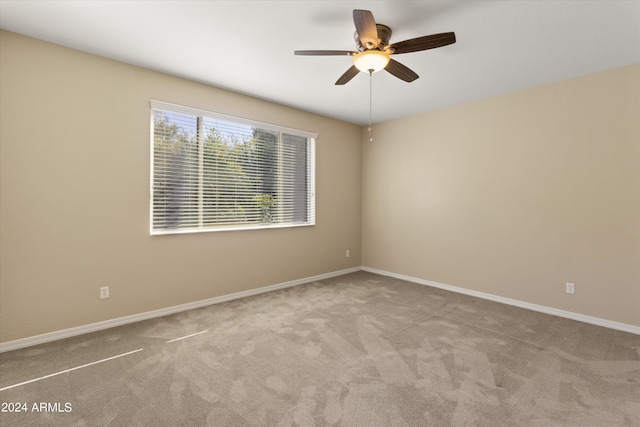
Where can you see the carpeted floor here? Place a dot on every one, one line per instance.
(355, 350)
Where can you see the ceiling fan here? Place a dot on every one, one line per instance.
(374, 51)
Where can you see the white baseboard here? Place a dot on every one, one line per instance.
(93, 327)
(517, 303)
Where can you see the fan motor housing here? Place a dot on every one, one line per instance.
(384, 35)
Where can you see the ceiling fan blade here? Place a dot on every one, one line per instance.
(423, 43)
(325, 52)
(366, 28)
(348, 75)
(401, 71)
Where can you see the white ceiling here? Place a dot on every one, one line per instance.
(247, 46)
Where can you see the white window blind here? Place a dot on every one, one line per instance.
(213, 172)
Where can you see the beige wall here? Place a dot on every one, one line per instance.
(516, 195)
(74, 206)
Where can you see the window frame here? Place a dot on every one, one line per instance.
(311, 137)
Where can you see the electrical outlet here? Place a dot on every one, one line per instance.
(347, 253)
(104, 292)
(570, 288)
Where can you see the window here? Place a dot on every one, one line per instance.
(212, 172)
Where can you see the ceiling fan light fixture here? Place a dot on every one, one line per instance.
(371, 60)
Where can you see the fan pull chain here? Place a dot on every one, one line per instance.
(370, 105)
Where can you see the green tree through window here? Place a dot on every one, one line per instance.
(210, 173)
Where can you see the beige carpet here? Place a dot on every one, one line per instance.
(356, 350)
